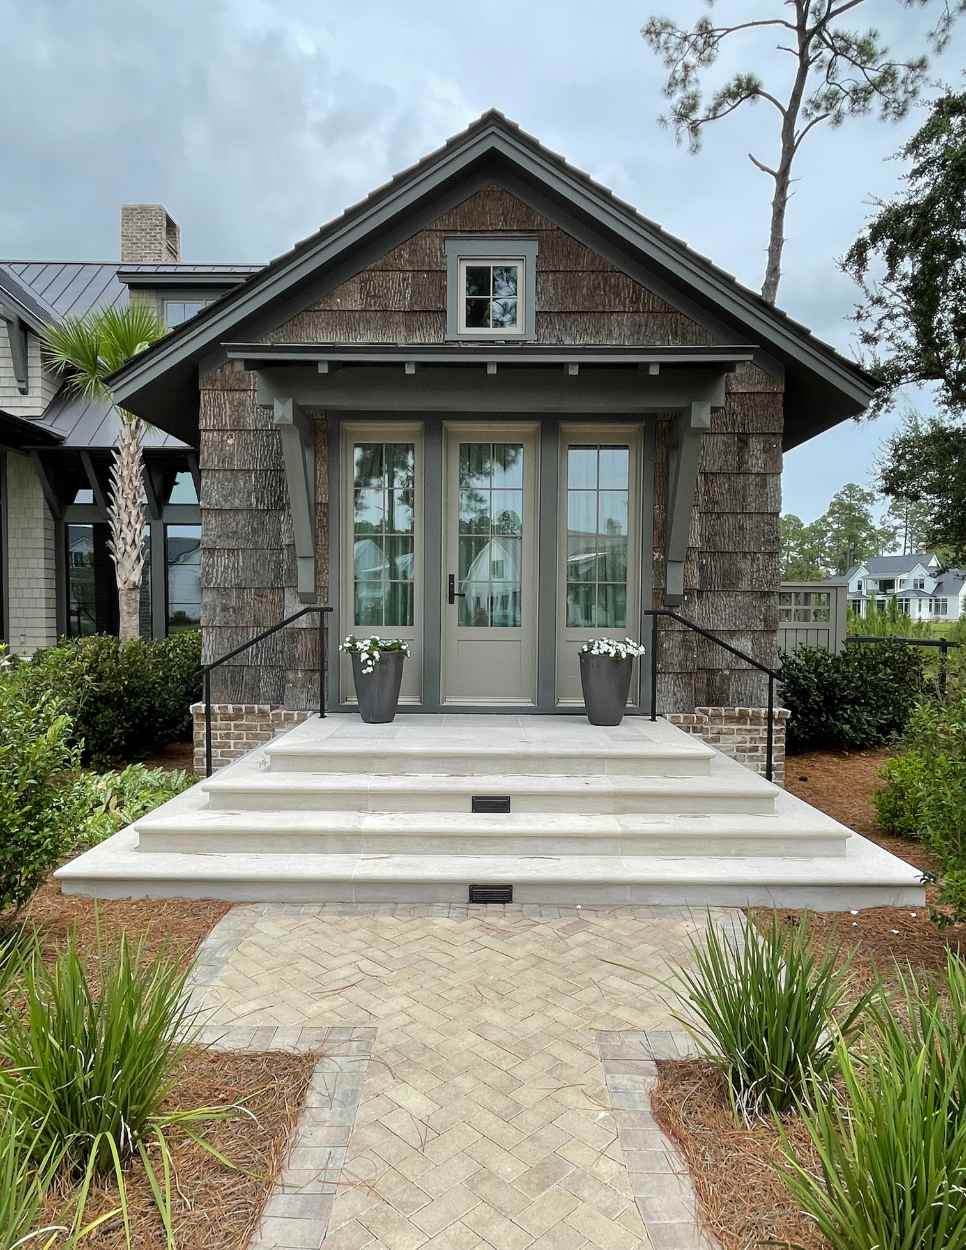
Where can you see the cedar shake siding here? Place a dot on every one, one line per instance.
(248, 565)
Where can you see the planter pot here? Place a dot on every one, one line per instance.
(605, 683)
(378, 691)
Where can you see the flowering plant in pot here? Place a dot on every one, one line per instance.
(605, 677)
(377, 665)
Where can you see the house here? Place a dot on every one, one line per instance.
(491, 409)
(917, 583)
(56, 575)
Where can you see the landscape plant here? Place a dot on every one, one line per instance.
(923, 794)
(769, 1011)
(125, 699)
(113, 800)
(860, 698)
(24, 1180)
(890, 1133)
(39, 808)
(85, 351)
(87, 1070)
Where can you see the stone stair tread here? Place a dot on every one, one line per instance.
(722, 783)
(786, 821)
(865, 876)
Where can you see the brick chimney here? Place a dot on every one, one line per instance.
(149, 235)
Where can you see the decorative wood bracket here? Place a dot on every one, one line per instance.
(297, 435)
(17, 334)
(689, 428)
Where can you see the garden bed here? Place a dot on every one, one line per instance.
(214, 1208)
(742, 1201)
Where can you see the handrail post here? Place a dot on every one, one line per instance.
(943, 654)
(322, 663)
(207, 722)
(653, 666)
(770, 741)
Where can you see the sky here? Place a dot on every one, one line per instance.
(255, 121)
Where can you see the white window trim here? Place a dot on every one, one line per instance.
(497, 332)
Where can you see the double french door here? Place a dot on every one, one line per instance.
(493, 566)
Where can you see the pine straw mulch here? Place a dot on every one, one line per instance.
(743, 1202)
(842, 784)
(174, 927)
(214, 1208)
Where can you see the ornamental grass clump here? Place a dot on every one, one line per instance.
(891, 1136)
(24, 1179)
(88, 1070)
(768, 1011)
(371, 650)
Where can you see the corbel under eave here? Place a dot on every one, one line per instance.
(298, 454)
(689, 427)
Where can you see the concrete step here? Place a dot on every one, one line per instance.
(208, 831)
(460, 748)
(865, 876)
(723, 790)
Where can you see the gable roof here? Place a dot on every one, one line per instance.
(822, 386)
(47, 291)
(885, 566)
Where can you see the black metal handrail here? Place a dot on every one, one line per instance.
(655, 613)
(206, 669)
(944, 645)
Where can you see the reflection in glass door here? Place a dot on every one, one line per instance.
(490, 574)
(381, 550)
(600, 543)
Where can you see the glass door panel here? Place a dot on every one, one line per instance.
(490, 573)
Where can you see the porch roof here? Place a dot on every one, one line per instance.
(528, 354)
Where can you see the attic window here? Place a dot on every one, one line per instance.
(491, 296)
(491, 287)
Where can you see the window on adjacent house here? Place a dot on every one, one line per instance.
(183, 559)
(904, 606)
(919, 583)
(938, 607)
(858, 585)
(178, 310)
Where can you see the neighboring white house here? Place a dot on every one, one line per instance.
(918, 584)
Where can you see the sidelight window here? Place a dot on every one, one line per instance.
(598, 499)
(383, 547)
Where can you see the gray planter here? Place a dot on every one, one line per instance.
(378, 691)
(605, 683)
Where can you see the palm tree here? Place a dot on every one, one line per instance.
(84, 351)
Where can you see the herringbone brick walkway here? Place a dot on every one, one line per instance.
(504, 1102)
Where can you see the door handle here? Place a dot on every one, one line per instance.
(454, 594)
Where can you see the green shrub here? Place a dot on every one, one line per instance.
(113, 800)
(888, 623)
(923, 794)
(39, 810)
(899, 803)
(86, 1071)
(891, 1138)
(767, 1010)
(860, 698)
(125, 699)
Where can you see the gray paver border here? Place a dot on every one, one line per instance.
(659, 1176)
(296, 1215)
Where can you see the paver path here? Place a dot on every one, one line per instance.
(486, 1071)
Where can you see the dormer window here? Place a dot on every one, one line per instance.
(491, 287)
(491, 295)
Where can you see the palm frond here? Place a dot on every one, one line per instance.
(84, 351)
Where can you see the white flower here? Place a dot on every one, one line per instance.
(613, 648)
